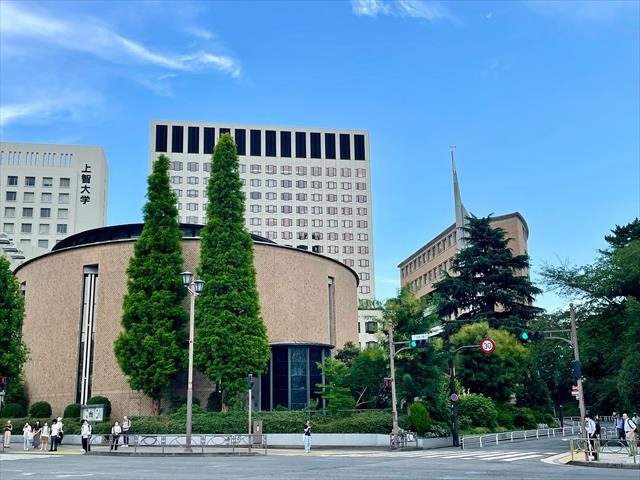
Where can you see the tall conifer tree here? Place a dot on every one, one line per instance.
(151, 348)
(13, 352)
(231, 338)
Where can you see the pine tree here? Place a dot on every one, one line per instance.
(231, 337)
(151, 348)
(13, 352)
(489, 285)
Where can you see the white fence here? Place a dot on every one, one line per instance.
(470, 441)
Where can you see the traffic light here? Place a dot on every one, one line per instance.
(530, 336)
(419, 343)
(576, 367)
(3, 383)
(524, 337)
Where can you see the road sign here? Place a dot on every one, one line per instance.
(420, 336)
(454, 397)
(488, 345)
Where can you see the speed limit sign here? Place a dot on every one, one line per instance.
(488, 345)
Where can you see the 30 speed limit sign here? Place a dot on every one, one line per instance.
(488, 345)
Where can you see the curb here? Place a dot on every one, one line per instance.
(628, 466)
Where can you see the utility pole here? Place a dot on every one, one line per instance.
(576, 356)
(394, 408)
(454, 401)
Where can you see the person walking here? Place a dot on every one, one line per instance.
(37, 430)
(60, 430)
(591, 434)
(55, 430)
(116, 430)
(8, 428)
(44, 436)
(307, 436)
(85, 433)
(620, 426)
(630, 428)
(26, 435)
(126, 426)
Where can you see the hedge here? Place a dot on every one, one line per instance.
(40, 409)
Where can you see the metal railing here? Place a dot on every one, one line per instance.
(468, 441)
(402, 439)
(592, 449)
(236, 443)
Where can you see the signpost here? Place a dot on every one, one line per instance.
(487, 345)
(420, 336)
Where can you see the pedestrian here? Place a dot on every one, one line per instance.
(620, 426)
(37, 430)
(55, 430)
(306, 437)
(44, 436)
(85, 433)
(116, 430)
(60, 430)
(126, 426)
(26, 435)
(591, 434)
(8, 428)
(630, 428)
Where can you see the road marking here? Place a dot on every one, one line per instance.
(507, 455)
(521, 458)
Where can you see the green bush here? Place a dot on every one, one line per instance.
(480, 410)
(175, 403)
(13, 410)
(505, 416)
(525, 418)
(214, 402)
(40, 410)
(420, 418)
(72, 411)
(98, 400)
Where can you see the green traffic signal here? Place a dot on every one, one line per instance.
(413, 344)
(524, 336)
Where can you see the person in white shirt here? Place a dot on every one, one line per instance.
(26, 435)
(116, 430)
(55, 431)
(126, 426)
(44, 436)
(630, 428)
(591, 433)
(85, 433)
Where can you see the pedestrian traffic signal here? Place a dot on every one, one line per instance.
(3, 383)
(419, 343)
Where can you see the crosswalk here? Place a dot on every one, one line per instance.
(6, 457)
(484, 456)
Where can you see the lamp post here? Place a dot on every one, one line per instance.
(194, 287)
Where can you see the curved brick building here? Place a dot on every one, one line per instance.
(73, 307)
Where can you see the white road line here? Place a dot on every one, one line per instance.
(477, 454)
(507, 455)
(521, 458)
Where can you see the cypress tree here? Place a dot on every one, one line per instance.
(231, 337)
(13, 352)
(489, 285)
(151, 348)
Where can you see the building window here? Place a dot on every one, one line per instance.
(301, 197)
(271, 195)
(332, 236)
(286, 235)
(193, 140)
(301, 145)
(192, 166)
(65, 182)
(345, 147)
(256, 143)
(286, 196)
(61, 228)
(270, 143)
(12, 181)
(345, 172)
(25, 228)
(358, 147)
(315, 145)
(176, 180)
(11, 196)
(364, 276)
(29, 181)
(286, 183)
(361, 198)
(361, 172)
(241, 141)
(346, 186)
(286, 170)
(347, 249)
(27, 212)
(255, 221)
(272, 222)
(255, 168)
(331, 171)
(363, 263)
(161, 138)
(43, 229)
(192, 206)
(87, 334)
(10, 212)
(255, 195)
(209, 140)
(330, 145)
(177, 139)
(332, 249)
(224, 131)
(176, 166)
(302, 222)
(366, 289)
(286, 209)
(193, 180)
(63, 213)
(332, 210)
(363, 237)
(286, 222)
(271, 209)
(7, 228)
(29, 197)
(46, 197)
(43, 243)
(285, 144)
(347, 236)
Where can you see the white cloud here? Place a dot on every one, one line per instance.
(423, 9)
(89, 36)
(200, 33)
(67, 105)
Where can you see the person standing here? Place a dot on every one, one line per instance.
(44, 436)
(126, 426)
(630, 428)
(26, 435)
(60, 430)
(620, 426)
(307, 436)
(591, 433)
(85, 433)
(116, 430)
(8, 428)
(54, 436)
(37, 430)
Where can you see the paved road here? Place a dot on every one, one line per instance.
(509, 461)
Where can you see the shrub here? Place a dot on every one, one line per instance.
(13, 410)
(505, 416)
(98, 400)
(420, 418)
(175, 403)
(72, 411)
(40, 410)
(214, 402)
(525, 418)
(480, 410)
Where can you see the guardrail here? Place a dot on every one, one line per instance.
(596, 447)
(237, 443)
(497, 438)
(402, 440)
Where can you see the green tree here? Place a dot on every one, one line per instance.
(335, 390)
(231, 337)
(608, 318)
(13, 351)
(498, 374)
(366, 378)
(489, 284)
(151, 348)
(347, 353)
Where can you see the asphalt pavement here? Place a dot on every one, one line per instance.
(531, 460)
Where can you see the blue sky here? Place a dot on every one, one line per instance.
(541, 99)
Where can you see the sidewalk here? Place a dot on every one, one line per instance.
(605, 460)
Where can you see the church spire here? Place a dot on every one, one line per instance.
(461, 212)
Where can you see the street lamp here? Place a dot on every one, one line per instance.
(194, 288)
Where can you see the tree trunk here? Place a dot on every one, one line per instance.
(155, 406)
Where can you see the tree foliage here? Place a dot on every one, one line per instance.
(13, 351)
(151, 348)
(608, 318)
(347, 353)
(231, 337)
(335, 391)
(366, 378)
(489, 284)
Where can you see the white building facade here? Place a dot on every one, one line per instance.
(48, 192)
(308, 188)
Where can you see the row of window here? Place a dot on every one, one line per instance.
(47, 182)
(300, 170)
(262, 145)
(346, 198)
(42, 243)
(27, 212)
(30, 197)
(43, 228)
(432, 275)
(301, 222)
(432, 252)
(35, 158)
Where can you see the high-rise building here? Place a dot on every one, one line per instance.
(48, 192)
(309, 188)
